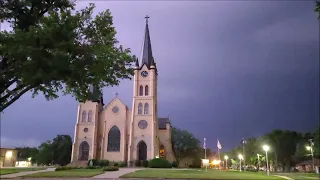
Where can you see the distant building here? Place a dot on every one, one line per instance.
(116, 133)
(306, 166)
(8, 157)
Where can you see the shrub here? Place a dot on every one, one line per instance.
(159, 163)
(116, 164)
(145, 163)
(93, 167)
(111, 168)
(63, 168)
(122, 164)
(137, 163)
(174, 164)
(94, 162)
(103, 163)
(196, 163)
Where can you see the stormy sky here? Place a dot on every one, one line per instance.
(227, 69)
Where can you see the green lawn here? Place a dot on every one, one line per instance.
(67, 173)
(4, 171)
(301, 176)
(197, 174)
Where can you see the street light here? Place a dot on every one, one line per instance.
(266, 148)
(226, 158)
(258, 161)
(240, 157)
(309, 148)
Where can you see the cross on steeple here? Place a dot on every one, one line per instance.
(116, 94)
(147, 17)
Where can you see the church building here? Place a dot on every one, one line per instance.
(116, 133)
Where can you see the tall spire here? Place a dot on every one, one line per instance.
(147, 51)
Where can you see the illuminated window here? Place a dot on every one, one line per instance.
(162, 152)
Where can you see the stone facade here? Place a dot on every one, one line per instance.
(114, 132)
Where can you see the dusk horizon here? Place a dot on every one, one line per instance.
(226, 70)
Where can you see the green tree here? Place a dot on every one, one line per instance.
(52, 48)
(317, 8)
(62, 148)
(45, 155)
(184, 144)
(316, 140)
(283, 144)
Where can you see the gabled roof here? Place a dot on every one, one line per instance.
(114, 99)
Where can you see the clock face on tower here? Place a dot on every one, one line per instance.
(144, 73)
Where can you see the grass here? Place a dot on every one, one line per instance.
(197, 174)
(301, 176)
(67, 173)
(4, 171)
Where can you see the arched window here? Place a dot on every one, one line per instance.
(161, 152)
(114, 139)
(84, 116)
(141, 91)
(90, 116)
(140, 108)
(146, 108)
(146, 90)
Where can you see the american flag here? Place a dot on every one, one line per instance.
(218, 144)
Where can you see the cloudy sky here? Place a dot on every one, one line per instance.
(227, 69)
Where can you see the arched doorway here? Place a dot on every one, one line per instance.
(142, 151)
(84, 151)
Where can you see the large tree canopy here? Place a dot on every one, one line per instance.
(184, 144)
(53, 48)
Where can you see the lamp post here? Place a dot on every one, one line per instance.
(226, 158)
(266, 148)
(310, 148)
(240, 158)
(258, 161)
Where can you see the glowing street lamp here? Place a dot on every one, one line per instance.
(226, 158)
(266, 148)
(309, 148)
(241, 158)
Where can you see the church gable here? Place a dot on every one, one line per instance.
(115, 104)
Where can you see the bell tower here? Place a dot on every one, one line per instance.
(143, 126)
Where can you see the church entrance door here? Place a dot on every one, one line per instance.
(142, 151)
(84, 151)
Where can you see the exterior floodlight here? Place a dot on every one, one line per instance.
(265, 148)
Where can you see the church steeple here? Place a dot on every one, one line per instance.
(95, 95)
(147, 57)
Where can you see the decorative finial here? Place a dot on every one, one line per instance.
(147, 17)
(116, 94)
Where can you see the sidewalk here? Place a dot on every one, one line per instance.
(15, 175)
(116, 174)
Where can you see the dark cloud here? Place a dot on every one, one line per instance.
(226, 70)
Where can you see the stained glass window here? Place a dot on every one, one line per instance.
(114, 139)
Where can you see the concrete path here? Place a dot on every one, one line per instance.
(116, 174)
(284, 177)
(23, 173)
